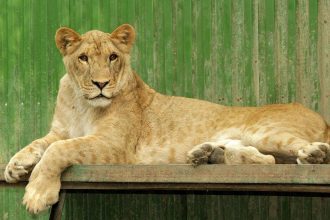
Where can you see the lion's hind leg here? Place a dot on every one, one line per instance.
(314, 153)
(289, 144)
(227, 152)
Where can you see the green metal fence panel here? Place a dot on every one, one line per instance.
(232, 52)
(195, 206)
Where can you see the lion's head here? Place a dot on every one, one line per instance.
(98, 63)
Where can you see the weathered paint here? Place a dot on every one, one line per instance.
(250, 52)
(323, 53)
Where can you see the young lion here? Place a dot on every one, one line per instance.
(105, 114)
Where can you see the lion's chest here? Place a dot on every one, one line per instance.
(80, 124)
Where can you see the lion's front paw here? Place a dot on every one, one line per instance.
(14, 172)
(41, 193)
(315, 153)
(20, 165)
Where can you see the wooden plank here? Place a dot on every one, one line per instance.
(150, 186)
(197, 187)
(224, 174)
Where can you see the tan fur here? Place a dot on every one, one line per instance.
(327, 135)
(133, 124)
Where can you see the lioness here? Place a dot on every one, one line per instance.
(105, 114)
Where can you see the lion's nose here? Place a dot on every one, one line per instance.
(100, 85)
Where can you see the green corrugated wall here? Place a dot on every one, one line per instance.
(239, 52)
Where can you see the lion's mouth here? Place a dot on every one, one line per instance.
(100, 96)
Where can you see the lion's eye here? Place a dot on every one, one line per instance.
(113, 57)
(83, 57)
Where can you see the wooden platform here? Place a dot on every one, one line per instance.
(291, 178)
(250, 178)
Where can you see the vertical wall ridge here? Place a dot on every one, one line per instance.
(324, 57)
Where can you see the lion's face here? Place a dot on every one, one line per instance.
(98, 63)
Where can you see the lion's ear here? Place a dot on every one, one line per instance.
(66, 40)
(124, 37)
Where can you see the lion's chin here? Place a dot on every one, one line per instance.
(99, 102)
